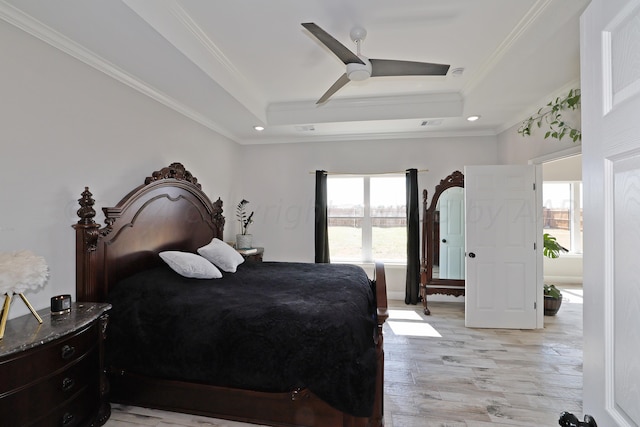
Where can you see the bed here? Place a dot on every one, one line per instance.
(281, 344)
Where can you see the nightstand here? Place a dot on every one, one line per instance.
(52, 373)
(252, 256)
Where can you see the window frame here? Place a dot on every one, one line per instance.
(575, 206)
(367, 220)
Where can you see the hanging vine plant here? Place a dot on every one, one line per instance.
(551, 116)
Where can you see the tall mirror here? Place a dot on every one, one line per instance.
(443, 226)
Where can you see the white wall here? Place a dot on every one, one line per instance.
(65, 125)
(563, 170)
(515, 149)
(567, 269)
(277, 181)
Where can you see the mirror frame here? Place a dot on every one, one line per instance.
(428, 284)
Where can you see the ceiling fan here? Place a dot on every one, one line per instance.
(360, 67)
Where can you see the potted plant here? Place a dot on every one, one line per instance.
(552, 295)
(244, 239)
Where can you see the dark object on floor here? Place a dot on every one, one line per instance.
(567, 419)
(551, 305)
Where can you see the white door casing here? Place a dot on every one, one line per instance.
(501, 237)
(610, 84)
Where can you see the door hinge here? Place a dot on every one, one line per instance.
(535, 246)
(535, 305)
(534, 186)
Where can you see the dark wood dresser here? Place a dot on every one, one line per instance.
(51, 374)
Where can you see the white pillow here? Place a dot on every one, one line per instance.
(222, 255)
(190, 265)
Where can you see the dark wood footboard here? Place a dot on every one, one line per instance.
(377, 418)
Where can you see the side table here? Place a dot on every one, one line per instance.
(250, 255)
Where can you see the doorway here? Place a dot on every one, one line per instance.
(562, 218)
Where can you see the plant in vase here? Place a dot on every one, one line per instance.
(244, 239)
(552, 295)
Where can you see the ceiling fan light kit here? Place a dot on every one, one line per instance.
(358, 72)
(359, 68)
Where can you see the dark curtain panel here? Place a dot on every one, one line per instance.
(322, 220)
(413, 239)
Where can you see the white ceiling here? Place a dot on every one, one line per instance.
(235, 64)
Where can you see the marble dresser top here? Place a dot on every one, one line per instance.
(24, 332)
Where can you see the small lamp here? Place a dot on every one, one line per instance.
(20, 271)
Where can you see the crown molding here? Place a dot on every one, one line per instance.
(367, 137)
(518, 31)
(180, 29)
(37, 29)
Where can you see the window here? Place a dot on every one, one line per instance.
(367, 218)
(562, 213)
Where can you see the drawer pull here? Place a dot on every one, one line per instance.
(68, 351)
(67, 419)
(68, 383)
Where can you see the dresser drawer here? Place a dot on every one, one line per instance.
(79, 411)
(52, 392)
(22, 369)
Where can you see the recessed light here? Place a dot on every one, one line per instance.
(259, 128)
(473, 118)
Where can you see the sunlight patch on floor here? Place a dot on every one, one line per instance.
(404, 315)
(572, 295)
(413, 329)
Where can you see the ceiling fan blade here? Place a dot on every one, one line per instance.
(343, 80)
(390, 67)
(334, 45)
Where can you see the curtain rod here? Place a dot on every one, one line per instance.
(360, 174)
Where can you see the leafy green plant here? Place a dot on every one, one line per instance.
(551, 115)
(552, 291)
(552, 248)
(244, 218)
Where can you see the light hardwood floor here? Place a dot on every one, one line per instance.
(439, 373)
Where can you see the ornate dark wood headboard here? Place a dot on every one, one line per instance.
(168, 212)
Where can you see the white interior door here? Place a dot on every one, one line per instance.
(610, 83)
(451, 205)
(501, 223)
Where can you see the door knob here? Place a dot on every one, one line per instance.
(472, 255)
(570, 420)
(444, 240)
